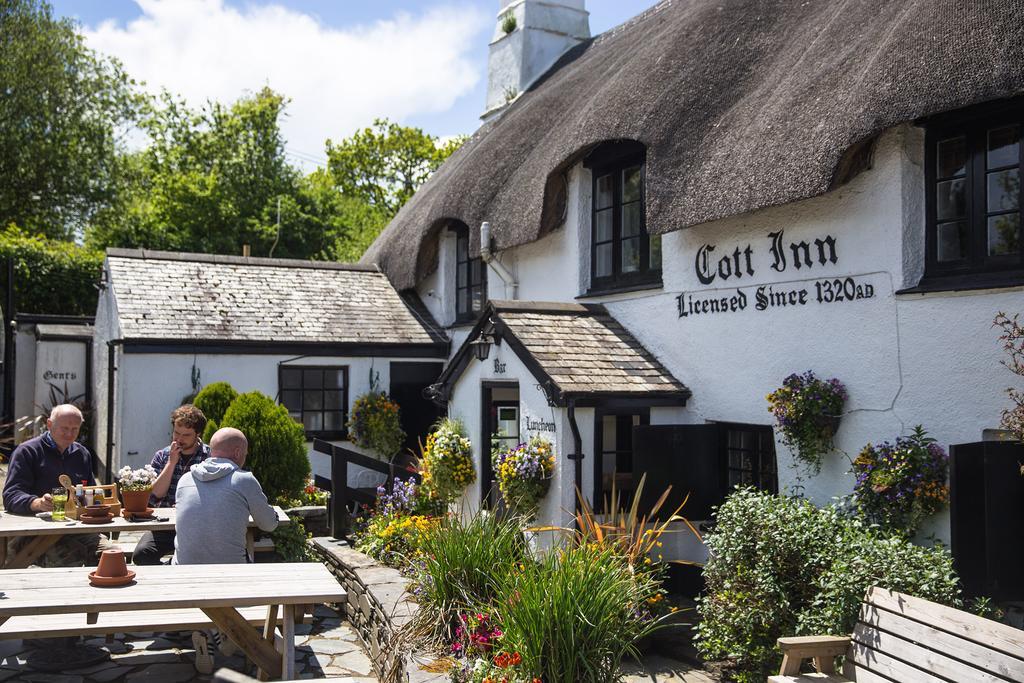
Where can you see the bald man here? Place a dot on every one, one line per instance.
(35, 469)
(215, 499)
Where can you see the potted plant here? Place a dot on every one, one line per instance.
(900, 484)
(808, 410)
(447, 461)
(135, 486)
(375, 424)
(524, 474)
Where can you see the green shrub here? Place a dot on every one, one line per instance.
(214, 400)
(780, 567)
(459, 570)
(575, 615)
(290, 541)
(50, 276)
(277, 449)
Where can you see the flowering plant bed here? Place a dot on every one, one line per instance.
(524, 474)
(899, 485)
(807, 410)
(396, 530)
(375, 424)
(136, 480)
(447, 462)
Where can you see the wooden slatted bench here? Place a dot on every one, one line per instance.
(902, 638)
(108, 623)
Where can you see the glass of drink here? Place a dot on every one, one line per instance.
(60, 499)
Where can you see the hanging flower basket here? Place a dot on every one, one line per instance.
(375, 424)
(447, 462)
(807, 410)
(524, 474)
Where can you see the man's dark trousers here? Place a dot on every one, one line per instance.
(152, 546)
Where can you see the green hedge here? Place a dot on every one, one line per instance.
(780, 567)
(50, 276)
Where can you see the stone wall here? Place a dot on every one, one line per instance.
(378, 607)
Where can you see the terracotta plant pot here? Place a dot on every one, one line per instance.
(136, 501)
(96, 511)
(112, 564)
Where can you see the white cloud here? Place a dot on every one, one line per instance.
(338, 78)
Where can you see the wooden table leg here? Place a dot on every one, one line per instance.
(262, 653)
(268, 635)
(32, 551)
(250, 544)
(288, 643)
(3, 552)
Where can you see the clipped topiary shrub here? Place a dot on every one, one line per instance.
(214, 400)
(781, 566)
(277, 448)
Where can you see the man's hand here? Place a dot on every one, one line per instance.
(175, 453)
(44, 504)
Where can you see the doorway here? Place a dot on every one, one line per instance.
(500, 426)
(417, 414)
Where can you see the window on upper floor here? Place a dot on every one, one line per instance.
(316, 396)
(973, 212)
(470, 279)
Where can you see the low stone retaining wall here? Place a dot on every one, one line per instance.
(378, 606)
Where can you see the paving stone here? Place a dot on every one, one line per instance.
(371, 576)
(355, 661)
(91, 669)
(10, 647)
(8, 673)
(324, 612)
(343, 632)
(143, 643)
(114, 648)
(331, 647)
(303, 629)
(50, 678)
(145, 658)
(109, 674)
(164, 673)
(317, 662)
(328, 623)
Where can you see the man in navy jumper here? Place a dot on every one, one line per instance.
(35, 468)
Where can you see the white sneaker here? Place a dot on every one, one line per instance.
(204, 660)
(225, 645)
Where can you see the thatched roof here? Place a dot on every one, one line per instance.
(742, 104)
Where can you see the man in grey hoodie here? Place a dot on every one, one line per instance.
(215, 499)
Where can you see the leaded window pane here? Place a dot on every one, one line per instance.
(951, 200)
(952, 241)
(1004, 190)
(604, 225)
(312, 379)
(1004, 235)
(631, 255)
(603, 260)
(952, 157)
(605, 195)
(632, 183)
(631, 218)
(655, 256)
(1003, 146)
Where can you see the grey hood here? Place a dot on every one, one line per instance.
(213, 468)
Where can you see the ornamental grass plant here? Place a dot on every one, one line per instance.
(460, 571)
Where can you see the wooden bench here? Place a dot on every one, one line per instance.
(902, 638)
(108, 623)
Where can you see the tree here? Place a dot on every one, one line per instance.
(208, 182)
(50, 276)
(61, 109)
(385, 164)
(214, 400)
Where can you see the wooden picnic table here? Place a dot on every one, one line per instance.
(217, 589)
(46, 533)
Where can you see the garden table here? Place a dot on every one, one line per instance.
(217, 589)
(46, 533)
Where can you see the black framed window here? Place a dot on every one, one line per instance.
(622, 253)
(470, 279)
(613, 445)
(316, 396)
(973, 212)
(748, 457)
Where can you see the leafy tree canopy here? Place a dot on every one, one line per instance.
(384, 164)
(61, 109)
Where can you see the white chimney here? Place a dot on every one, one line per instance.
(529, 36)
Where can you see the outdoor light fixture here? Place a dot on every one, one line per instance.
(481, 346)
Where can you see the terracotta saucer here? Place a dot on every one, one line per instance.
(111, 581)
(105, 519)
(149, 513)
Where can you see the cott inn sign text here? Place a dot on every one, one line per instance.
(728, 267)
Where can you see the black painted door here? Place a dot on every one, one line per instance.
(408, 380)
(689, 457)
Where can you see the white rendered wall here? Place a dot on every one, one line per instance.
(905, 359)
(153, 384)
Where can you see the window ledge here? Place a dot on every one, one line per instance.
(964, 283)
(621, 289)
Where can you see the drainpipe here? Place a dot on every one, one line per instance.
(577, 457)
(111, 369)
(487, 256)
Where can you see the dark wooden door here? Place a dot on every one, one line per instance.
(686, 456)
(408, 380)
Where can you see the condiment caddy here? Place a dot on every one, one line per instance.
(79, 497)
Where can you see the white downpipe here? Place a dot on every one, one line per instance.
(487, 256)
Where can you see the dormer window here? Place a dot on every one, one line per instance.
(622, 253)
(470, 279)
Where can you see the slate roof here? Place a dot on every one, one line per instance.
(741, 104)
(576, 350)
(165, 296)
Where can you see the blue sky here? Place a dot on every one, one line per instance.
(342, 62)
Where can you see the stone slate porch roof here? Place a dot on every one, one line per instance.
(576, 351)
(168, 297)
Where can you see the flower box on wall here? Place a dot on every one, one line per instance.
(987, 518)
